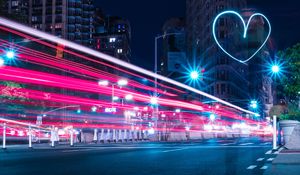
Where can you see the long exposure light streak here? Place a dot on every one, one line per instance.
(85, 57)
(111, 59)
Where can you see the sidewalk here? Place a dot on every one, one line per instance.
(287, 162)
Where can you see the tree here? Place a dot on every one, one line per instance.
(290, 82)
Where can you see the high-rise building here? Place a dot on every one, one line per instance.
(224, 77)
(16, 9)
(227, 78)
(260, 83)
(68, 19)
(113, 36)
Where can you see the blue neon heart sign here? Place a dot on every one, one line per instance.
(246, 26)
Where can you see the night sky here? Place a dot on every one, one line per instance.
(147, 17)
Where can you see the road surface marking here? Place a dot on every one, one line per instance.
(260, 159)
(244, 144)
(270, 159)
(269, 152)
(267, 143)
(74, 150)
(264, 167)
(251, 167)
(173, 150)
(225, 144)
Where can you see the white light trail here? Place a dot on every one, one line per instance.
(40, 34)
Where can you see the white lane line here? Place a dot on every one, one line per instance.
(251, 167)
(260, 159)
(267, 143)
(226, 144)
(173, 150)
(129, 147)
(244, 144)
(74, 150)
(264, 167)
(270, 159)
(269, 152)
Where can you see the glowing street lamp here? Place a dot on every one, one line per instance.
(122, 82)
(275, 69)
(94, 109)
(128, 97)
(153, 100)
(10, 54)
(177, 110)
(103, 83)
(194, 75)
(115, 98)
(253, 104)
(212, 117)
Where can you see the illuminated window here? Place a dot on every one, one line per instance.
(112, 40)
(120, 50)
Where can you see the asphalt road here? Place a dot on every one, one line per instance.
(213, 156)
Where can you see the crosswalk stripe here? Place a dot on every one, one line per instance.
(269, 152)
(251, 167)
(260, 159)
(264, 167)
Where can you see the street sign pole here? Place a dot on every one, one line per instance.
(274, 132)
(4, 136)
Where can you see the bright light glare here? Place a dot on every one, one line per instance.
(177, 110)
(103, 83)
(94, 109)
(194, 75)
(1, 62)
(212, 117)
(151, 131)
(275, 69)
(153, 100)
(10, 54)
(129, 97)
(111, 59)
(122, 82)
(115, 98)
(253, 104)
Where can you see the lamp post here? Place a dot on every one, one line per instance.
(155, 70)
(121, 82)
(275, 70)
